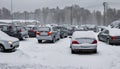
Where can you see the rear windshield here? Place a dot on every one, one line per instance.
(85, 40)
(44, 29)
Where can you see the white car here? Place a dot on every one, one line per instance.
(7, 42)
(83, 41)
(48, 33)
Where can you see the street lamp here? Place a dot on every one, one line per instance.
(11, 7)
(12, 10)
(71, 15)
(105, 9)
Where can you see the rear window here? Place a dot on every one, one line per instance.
(44, 29)
(85, 40)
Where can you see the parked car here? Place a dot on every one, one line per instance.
(32, 29)
(81, 28)
(70, 30)
(63, 31)
(15, 31)
(115, 24)
(110, 36)
(101, 28)
(48, 33)
(83, 41)
(7, 42)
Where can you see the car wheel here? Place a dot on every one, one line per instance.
(66, 36)
(95, 51)
(53, 41)
(59, 38)
(72, 51)
(39, 41)
(108, 41)
(70, 46)
(1, 48)
(22, 38)
(62, 36)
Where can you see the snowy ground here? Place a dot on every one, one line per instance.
(32, 55)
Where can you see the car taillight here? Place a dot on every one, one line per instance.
(38, 33)
(49, 33)
(94, 42)
(113, 37)
(75, 42)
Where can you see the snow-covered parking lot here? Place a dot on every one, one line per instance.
(32, 55)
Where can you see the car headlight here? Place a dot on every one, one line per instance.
(10, 42)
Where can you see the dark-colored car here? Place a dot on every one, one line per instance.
(32, 29)
(92, 28)
(110, 36)
(63, 31)
(70, 30)
(15, 31)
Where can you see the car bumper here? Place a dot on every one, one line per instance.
(84, 47)
(115, 41)
(44, 37)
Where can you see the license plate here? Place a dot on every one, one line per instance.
(44, 33)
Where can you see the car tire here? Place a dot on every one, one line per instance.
(53, 40)
(70, 46)
(95, 51)
(39, 41)
(66, 36)
(108, 41)
(1, 48)
(62, 36)
(59, 38)
(22, 38)
(72, 51)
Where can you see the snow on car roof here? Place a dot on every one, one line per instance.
(83, 34)
(114, 32)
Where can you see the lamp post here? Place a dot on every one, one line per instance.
(12, 10)
(71, 20)
(104, 13)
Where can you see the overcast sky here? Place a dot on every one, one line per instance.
(30, 5)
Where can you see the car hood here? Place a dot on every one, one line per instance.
(13, 39)
(4, 36)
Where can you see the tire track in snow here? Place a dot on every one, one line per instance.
(114, 53)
